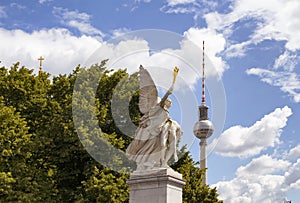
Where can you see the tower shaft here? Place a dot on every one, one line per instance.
(203, 166)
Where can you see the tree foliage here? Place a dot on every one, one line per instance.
(193, 191)
(42, 158)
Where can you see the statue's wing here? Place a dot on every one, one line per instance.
(148, 91)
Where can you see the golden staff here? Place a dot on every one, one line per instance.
(175, 74)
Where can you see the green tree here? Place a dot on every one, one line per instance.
(66, 152)
(105, 185)
(14, 138)
(25, 92)
(19, 179)
(95, 126)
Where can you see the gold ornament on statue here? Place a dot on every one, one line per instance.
(175, 74)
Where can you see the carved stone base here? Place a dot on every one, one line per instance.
(156, 186)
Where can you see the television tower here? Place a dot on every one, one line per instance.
(203, 129)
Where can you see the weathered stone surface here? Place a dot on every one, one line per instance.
(156, 186)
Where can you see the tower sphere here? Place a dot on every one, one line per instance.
(203, 129)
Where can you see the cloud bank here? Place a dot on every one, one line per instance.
(264, 179)
(243, 142)
(62, 50)
(80, 21)
(288, 82)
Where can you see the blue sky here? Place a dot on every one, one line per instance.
(252, 56)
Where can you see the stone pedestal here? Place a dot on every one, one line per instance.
(156, 186)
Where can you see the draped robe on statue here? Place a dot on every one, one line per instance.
(146, 146)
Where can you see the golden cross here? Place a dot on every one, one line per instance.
(41, 60)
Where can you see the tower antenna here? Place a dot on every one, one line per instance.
(203, 77)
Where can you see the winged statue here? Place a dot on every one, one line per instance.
(157, 135)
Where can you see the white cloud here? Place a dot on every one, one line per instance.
(287, 61)
(237, 50)
(292, 176)
(215, 44)
(65, 14)
(181, 7)
(295, 185)
(62, 51)
(277, 20)
(282, 75)
(264, 179)
(294, 153)
(178, 2)
(263, 165)
(84, 28)
(130, 53)
(288, 82)
(144, 1)
(178, 10)
(239, 141)
(195, 7)
(44, 1)
(75, 19)
(120, 32)
(17, 6)
(2, 12)
(273, 20)
(253, 188)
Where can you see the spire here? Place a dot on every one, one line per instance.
(203, 77)
(41, 64)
